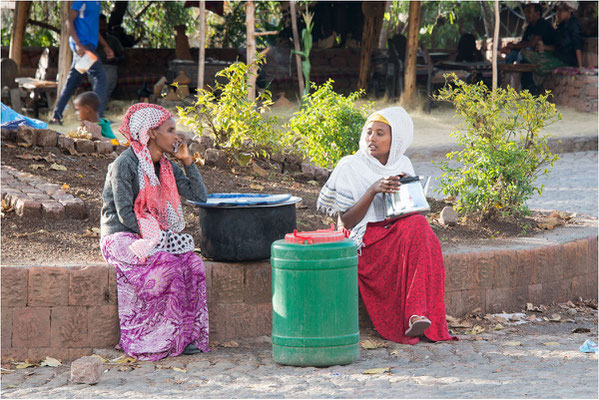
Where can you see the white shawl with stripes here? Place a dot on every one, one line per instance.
(354, 174)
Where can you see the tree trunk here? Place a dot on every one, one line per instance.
(412, 51)
(18, 31)
(495, 43)
(64, 52)
(487, 15)
(384, 26)
(202, 51)
(296, 45)
(251, 48)
(373, 21)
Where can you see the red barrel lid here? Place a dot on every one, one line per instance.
(314, 237)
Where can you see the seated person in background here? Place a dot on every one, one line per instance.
(401, 275)
(538, 28)
(161, 282)
(467, 50)
(87, 105)
(566, 50)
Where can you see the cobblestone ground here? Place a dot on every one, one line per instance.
(536, 360)
(570, 186)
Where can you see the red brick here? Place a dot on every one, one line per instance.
(14, 354)
(556, 291)
(103, 146)
(74, 208)
(88, 286)
(28, 208)
(67, 144)
(461, 302)
(535, 293)
(460, 272)
(52, 210)
(593, 254)
(504, 268)
(547, 268)
(84, 146)
(103, 326)
(48, 286)
(240, 320)
(75, 353)
(26, 134)
(258, 284)
(6, 327)
(485, 264)
(14, 286)
(499, 299)
(69, 326)
(570, 260)
(227, 282)
(47, 138)
(112, 285)
(38, 354)
(31, 327)
(581, 287)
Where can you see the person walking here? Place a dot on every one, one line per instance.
(84, 35)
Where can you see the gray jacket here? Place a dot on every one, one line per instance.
(122, 187)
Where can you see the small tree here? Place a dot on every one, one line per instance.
(237, 124)
(503, 151)
(328, 126)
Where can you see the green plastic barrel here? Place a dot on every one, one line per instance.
(315, 303)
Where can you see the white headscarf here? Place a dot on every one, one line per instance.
(354, 174)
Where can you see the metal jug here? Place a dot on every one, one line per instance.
(410, 197)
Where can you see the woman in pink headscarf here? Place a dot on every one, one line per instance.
(161, 281)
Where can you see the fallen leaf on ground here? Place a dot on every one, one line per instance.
(65, 187)
(255, 186)
(24, 156)
(123, 360)
(475, 330)
(26, 145)
(11, 386)
(550, 223)
(498, 327)
(36, 166)
(100, 357)
(370, 344)
(50, 362)
(313, 183)
(458, 323)
(25, 364)
(91, 233)
(395, 352)
(179, 369)
(58, 167)
(9, 145)
(230, 344)
(532, 317)
(581, 330)
(513, 343)
(374, 371)
(551, 343)
(179, 381)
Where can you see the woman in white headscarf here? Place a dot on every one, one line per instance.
(401, 271)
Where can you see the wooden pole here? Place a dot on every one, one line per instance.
(296, 45)
(373, 20)
(18, 31)
(64, 53)
(250, 8)
(202, 57)
(495, 44)
(412, 51)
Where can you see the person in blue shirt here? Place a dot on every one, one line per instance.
(84, 35)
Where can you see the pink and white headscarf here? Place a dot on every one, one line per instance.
(157, 206)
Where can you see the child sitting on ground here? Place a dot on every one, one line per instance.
(87, 105)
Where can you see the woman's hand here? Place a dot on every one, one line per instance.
(388, 184)
(183, 154)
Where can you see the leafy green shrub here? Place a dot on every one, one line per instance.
(237, 124)
(328, 125)
(503, 152)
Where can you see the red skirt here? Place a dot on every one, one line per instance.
(401, 273)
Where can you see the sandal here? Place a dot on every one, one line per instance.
(417, 325)
(55, 121)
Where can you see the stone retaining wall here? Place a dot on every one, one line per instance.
(66, 311)
(576, 91)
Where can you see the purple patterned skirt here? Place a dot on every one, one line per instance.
(162, 301)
